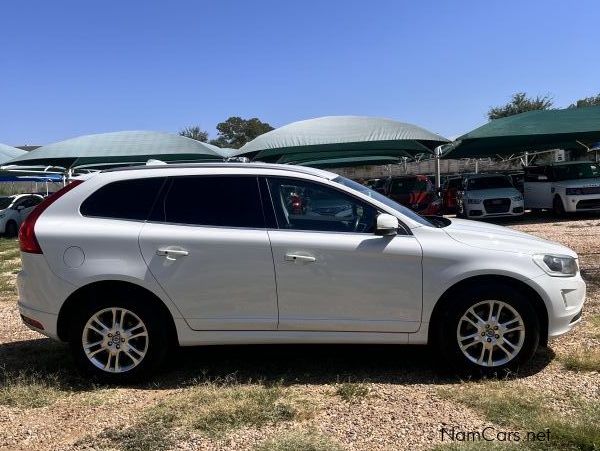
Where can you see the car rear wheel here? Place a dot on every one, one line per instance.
(11, 230)
(489, 331)
(118, 341)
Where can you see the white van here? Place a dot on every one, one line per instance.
(563, 187)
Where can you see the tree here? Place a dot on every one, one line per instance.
(519, 104)
(194, 132)
(235, 131)
(588, 101)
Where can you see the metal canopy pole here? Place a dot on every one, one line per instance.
(436, 156)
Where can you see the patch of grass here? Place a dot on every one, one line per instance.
(214, 409)
(144, 436)
(299, 441)
(582, 360)
(595, 325)
(29, 390)
(352, 391)
(10, 264)
(514, 407)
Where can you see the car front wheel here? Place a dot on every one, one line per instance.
(489, 330)
(117, 342)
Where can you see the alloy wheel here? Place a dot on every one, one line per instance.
(115, 340)
(490, 333)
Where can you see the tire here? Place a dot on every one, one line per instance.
(474, 360)
(132, 356)
(557, 207)
(11, 230)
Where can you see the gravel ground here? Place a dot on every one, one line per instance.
(402, 410)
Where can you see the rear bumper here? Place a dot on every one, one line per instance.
(41, 293)
(48, 320)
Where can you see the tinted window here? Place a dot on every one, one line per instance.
(477, 183)
(126, 199)
(5, 202)
(225, 201)
(577, 171)
(408, 185)
(301, 205)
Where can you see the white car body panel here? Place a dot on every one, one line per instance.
(225, 283)
(349, 285)
(235, 286)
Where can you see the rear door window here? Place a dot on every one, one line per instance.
(220, 201)
(125, 199)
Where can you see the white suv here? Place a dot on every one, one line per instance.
(488, 195)
(14, 210)
(564, 188)
(131, 261)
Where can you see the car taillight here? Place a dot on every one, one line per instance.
(27, 240)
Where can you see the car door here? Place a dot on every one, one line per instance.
(537, 188)
(333, 273)
(207, 246)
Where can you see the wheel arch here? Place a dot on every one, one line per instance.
(109, 287)
(531, 294)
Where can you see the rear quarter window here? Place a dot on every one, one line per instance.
(125, 199)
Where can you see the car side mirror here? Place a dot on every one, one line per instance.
(387, 225)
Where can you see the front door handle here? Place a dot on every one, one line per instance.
(300, 258)
(172, 254)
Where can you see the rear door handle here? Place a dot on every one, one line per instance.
(172, 254)
(300, 258)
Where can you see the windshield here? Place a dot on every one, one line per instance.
(384, 200)
(408, 185)
(577, 171)
(488, 183)
(5, 202)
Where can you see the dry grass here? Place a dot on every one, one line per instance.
(29, 390)
(576, 426)
(10, 264)
(352, 392)
(299, 441)
(586, 359)
(214, 408)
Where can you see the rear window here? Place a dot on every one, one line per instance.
(222, 201)
(125, 199)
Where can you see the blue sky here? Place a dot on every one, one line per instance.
(69, 68)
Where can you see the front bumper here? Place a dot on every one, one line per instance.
(564, 298)
(516, 208)
(584, 202)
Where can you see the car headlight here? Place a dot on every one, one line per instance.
(474, 201)
(518, 198)
(573, 191)
(557, 265)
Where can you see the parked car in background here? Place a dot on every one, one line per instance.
(14, 210)
(378, 185)
(449, 192)
(488, 195)
(563, 187)
(126, 264)
(517, 179)
(416, 192)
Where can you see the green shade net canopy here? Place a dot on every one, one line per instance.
(7, 153)
(350, 161)
(571, 128)
(117, 148)
(356, 135)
